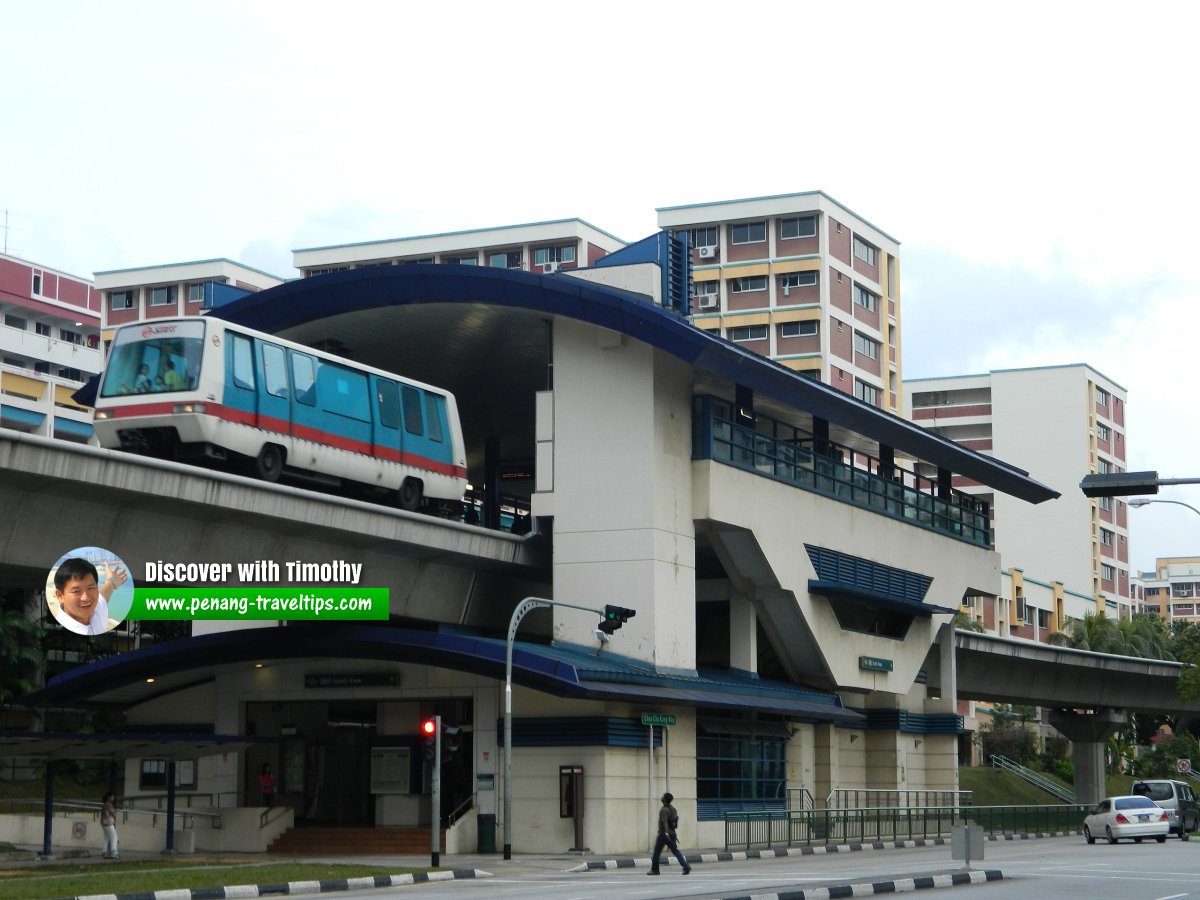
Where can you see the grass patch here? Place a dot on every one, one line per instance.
(67, 880)
(995, 787)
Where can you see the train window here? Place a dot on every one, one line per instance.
(389, 404)
(433, 415)
(411, 398)
(304, 377)
(275, 370)
(243, 362)
(344, 392)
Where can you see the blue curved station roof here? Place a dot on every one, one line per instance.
(310, 300)
(560, 670)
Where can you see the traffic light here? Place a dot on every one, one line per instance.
(451, 738)
(429, 731)
(615, 617)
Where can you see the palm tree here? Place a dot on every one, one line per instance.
(20, 648)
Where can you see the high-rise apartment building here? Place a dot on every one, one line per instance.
(49, 345)
(1173, 589)
(175, 289)
(803, 280)
(543, 247)
(1059, 423)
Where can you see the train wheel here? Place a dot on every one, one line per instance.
(409, 495)
(268, 465)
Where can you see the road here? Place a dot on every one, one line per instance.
(1047, 868)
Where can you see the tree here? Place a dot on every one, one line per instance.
(20, 651)
(1144, 636)
(963, 622)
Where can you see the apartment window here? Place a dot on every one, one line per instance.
(865, 298)
(1106, 572)
(1106, 504)
(42, 367)
(71, 337)
(13, 361)
(505, 259)
(705, 288)
(801, 226)
(42, 328)
(562, 254)
(865, 251)
(702, 237)
(195, 292)
(1102, 467)
(1022, 611)
(120, 300)
(461, 261)
(866, 346)
(891, 335)
(15, 322)
(891, 275)
(1106, 537)
(1043, 619)
(162, 296)
(797, 279)
(798, 329)
(37, 282)
(1101, 397)
(748, 333)
(313, 273)
(866, 392)
(1102, 433)
(70, 374)
(746, 285)
(749, 233)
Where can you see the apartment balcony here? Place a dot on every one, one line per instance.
(59, 354)
(784, 453)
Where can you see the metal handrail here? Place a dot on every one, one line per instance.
(1050, 787)
(800, 798)
(265, 818)
(459, 810)
(773, 828)
(849, 798)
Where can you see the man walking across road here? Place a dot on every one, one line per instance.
(668, 821)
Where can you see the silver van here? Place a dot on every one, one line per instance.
(1176, 797)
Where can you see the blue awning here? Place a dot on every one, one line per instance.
(564, 671)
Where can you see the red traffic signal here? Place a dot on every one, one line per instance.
(429, 728)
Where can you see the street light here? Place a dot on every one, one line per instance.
(1121, 484)
(613, 617)
(1144, 501)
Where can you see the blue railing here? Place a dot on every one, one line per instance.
(784, 453)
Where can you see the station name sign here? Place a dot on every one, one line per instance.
(874, 664)
(657, 719)
(365, 679)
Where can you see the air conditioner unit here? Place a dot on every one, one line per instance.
(708, 252)
(550, 267)
(707, 301)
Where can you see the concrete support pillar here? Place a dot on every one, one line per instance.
(1088, 733)
(743, 633)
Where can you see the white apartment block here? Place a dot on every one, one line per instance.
(175, 289)
(1173, 589)
(1059, 423)
(542, 247)
(803, 280)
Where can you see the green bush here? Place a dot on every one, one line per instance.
(1057, 766)
(1016, 743)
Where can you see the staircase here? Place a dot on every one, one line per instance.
(333, 841)
(1050, 787)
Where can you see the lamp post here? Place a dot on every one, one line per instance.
(612, 617)
(1146, 501)
(1121, 484)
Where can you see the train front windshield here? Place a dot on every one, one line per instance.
(154, 359)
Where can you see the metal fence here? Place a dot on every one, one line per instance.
(787, 828)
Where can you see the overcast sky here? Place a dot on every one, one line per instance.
(1035, 160)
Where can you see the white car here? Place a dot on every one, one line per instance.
(1127, 817)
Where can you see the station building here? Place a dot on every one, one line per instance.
(793, 577)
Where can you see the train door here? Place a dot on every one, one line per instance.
(426, 440)
(273, 412)
(386, 444)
